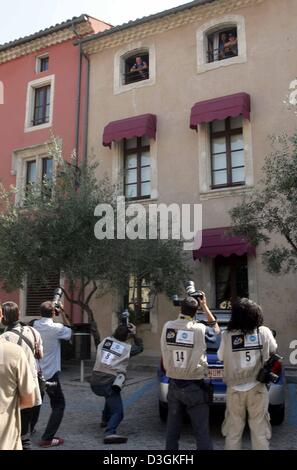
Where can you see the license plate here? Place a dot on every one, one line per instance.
(215, 373)
(219, 399)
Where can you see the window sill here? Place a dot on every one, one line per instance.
(38, 127)
(206, 67)
(224, 192)
(132, 86)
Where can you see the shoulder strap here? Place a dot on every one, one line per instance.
(22, 337)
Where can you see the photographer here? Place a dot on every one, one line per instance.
(30, 341)
(183, 349)
(52, 334)
(109, 374)
(246, 345)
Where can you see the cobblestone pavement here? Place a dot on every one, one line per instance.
(81, 424)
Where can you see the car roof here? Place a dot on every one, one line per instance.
(222, 316)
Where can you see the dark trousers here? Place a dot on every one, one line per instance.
(27, 416)
(57, 402)
(191, 399)
(113, 412)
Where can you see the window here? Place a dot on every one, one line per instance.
(136, 68)
(42, 64)
(31, 172)
(227, 153)
(37, 293)
(41, 105)
(137, 168)
(39, 170)
(137, 300)
(231, 279)
(222, 44)
(47, 168)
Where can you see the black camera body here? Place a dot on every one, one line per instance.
(266, 374)
(191, 291)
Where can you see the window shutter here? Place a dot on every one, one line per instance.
(38, 293)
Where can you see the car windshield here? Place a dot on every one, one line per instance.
(222, 318)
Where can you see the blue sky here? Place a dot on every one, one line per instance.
(22, 17)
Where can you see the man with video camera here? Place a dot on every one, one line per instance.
(245, 347)
(183, 346)
(52, 333)
(109, 375)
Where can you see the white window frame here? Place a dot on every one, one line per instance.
(31, 87)
(38, 62)
(20, 158)
(119, 66)
(117, 150)
(204, 163)
(232, 21)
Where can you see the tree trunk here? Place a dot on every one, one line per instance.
(94, 327)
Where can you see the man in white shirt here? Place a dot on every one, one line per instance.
(52, 334)
(245, 346)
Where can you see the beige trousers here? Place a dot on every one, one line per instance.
(254, 403)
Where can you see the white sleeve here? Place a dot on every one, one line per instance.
(63, 332)
(220, 352)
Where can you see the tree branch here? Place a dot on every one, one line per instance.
(91, 293)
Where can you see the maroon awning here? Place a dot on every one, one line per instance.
(137, 126)
(220, 108)
(216, 241)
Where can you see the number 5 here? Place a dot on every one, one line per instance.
(247, 356)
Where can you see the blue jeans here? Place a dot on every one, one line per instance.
(113, 412)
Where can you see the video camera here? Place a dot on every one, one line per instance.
(57, 299)
(191, 291)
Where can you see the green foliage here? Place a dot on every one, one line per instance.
(271, 207)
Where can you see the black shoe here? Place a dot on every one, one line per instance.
(115, 439)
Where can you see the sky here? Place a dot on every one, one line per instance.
(20, 18)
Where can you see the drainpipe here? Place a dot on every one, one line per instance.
(86, 119)
(78, 100)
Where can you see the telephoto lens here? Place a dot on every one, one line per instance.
(118, 382)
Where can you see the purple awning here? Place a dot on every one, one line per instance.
(216, 241)
(137, 126)
(220, 108)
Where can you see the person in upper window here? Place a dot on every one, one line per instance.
(140, 67)
(223, 40)
(230, 46)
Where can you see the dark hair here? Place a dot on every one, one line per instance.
(246, 316)
(189, 306)
(121, 333)
(11, 313)
(46, 309)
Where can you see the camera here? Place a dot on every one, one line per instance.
(118, 382)
(57, 299)
(124, 318)
(268, 373)
(191, 291)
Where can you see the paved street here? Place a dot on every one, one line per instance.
(80, 427)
